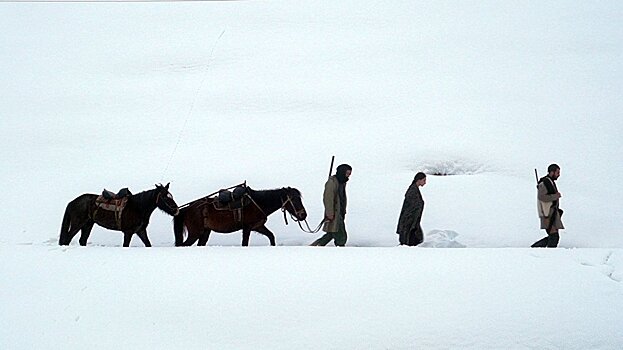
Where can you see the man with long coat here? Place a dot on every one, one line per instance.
(409, 229)
(334, 199)
(548, 203)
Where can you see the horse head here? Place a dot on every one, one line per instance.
(164, 200)
(293, 203)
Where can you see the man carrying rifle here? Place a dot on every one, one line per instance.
(548, 206)
(334, 199)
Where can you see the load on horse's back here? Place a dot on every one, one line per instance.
(123, 212)
(241, 209)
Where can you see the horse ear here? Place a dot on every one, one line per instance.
(167, 186)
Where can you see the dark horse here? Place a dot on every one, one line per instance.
(82, 213)
(202, 216)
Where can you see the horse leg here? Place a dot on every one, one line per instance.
(70, 235)
(143, 236)
(127, 237)
(72, 232)
(191, 239)
(65, 227)
(203, 237)
(246, 233)
(266, 232)
(86, 231)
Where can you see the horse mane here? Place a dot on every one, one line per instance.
(261, 194)
(144, 199)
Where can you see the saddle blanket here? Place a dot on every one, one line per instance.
(111, 204)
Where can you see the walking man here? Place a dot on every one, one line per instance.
(548, 206)
(409, 229)
(334, 199)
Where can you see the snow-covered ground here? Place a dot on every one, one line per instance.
(206, 95)
(310, 298)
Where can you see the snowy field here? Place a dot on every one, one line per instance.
(310, 298)
(206, 95)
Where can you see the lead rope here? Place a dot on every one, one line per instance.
(192, 105)
(309, 230)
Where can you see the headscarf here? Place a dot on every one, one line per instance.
(340, 173)
(342, 179)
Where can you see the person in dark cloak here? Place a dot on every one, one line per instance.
(409, 229)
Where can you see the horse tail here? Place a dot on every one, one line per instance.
(179, 226)
(64, 237)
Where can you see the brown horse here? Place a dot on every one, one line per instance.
(82, 213)
(207, 214)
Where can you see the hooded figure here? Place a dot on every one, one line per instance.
(334, 200)
(409, 229)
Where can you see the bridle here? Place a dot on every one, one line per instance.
(298, 214)
(173, 209)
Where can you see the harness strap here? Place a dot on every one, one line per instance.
(204, 200)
